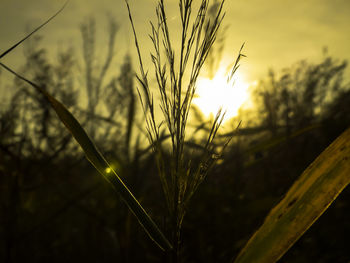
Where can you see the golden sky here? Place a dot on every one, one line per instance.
(277, 33)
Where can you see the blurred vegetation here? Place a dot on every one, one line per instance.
(54, 208)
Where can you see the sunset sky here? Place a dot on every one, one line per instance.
(277, 33)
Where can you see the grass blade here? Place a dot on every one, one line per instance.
(304, 203)
(34, 31)
(101, 165)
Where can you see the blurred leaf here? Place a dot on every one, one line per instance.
(304, 203)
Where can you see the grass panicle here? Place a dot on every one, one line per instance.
(176, 70)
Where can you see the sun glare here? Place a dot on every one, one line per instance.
(216, 93)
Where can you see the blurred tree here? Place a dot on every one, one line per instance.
(95, 75)
(31, 137)
(299, 96)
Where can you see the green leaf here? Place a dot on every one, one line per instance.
(101, 165)
(304, 203)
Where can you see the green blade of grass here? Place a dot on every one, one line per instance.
(101, 165)
(318, 186)
(34, 31)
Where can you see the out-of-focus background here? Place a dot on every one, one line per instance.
(291, 95)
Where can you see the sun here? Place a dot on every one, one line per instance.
(216, 93)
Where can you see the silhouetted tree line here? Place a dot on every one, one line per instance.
(55, 208)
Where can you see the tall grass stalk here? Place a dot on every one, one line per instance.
(176, 71)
